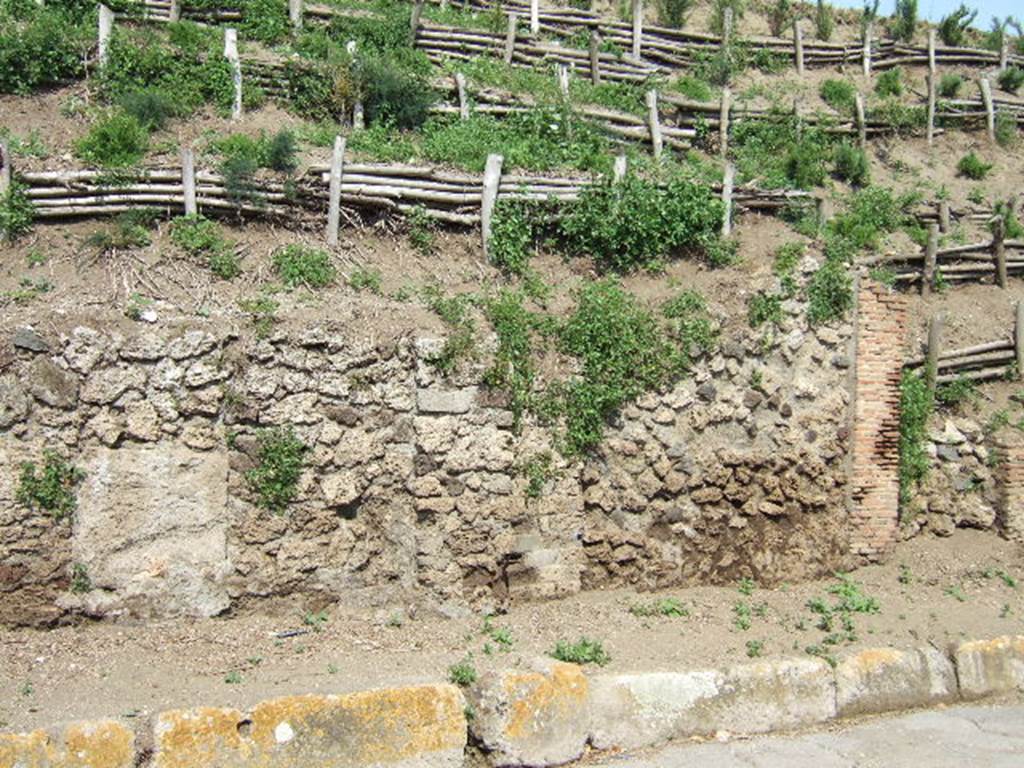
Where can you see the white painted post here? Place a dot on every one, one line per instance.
(460, 84)
(654, 123)
(295, 13)
(990, 112)
(5, 168)
(231, 54)
(723, 121)
(488, 198)
(358, 120)
(106, 29)
(619, 169)
(727, 183)
(798, 46)
(563, 81)
(931, 50)
(638, 27)
(510, 37)
(174, 13)
(868, 32)
(334, 191)
(1004, 53)
(188, 181)
(534, 16)
(932, 73)
(862, 124)
(726, 27)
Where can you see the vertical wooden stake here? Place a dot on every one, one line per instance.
(990, 112)
(358, 116)
(510, 37)
(488, 199)
(931, 108)
(460, 84)
(174, 12)
(106, 28)
(1004, 53)
(727, 183)
(619, 170)
(414, 19)
(534, 16)
(797, 119)
(944, 216)
(334, 191)
(638, 27)
(868, 31)
(723, 121)
(563, 81)
(931, 50)
(295, 13)
(726, 28)
(823, 210)
(188, 181)
(862, 123)
(654, 122)
(931, 365)
(999, 249)
(5, 168)
(1018, 339)
(930, 256)
(595, 56)
(798, 46)
(231, 54)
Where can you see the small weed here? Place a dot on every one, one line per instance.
(890, 82)
(763, 308)
(955, 392)
(262, 311)
(202, 238)
(583, 651)
(746, 586)
(333, 669)
(365, 279)
(670, 607)
(949, 85)
(755, 648)
(538, 471)
(234, 677)
(26, 688)
(839, 94)
(303, 265)
(421, 231)
(316, 621)
(80, 581)
(972, 167)
(956, 591)
(137, 304)
(741, 616)
(276, 476)
(1011, 79)
(50, 487)
(1005, 612)
(463, 673)
(905, 577)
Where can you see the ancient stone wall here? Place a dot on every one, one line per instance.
(412, 489)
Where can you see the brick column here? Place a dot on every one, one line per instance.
(874, 472)
(1011, 479)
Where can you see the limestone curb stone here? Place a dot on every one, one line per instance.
(989, 667)
(89, 744)
(884, 679)
(419, 726)
(534, 718)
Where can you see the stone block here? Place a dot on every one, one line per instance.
(988, 667)
(883, 679)
(445, 401)
(89, 744)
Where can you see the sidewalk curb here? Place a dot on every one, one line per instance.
(541, 717)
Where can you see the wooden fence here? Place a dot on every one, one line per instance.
(998, 359)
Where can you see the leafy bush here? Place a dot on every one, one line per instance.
(152, 108)
(673, 13)
(463, 673)
(636, 223)
(764, 308)
(41, 46)
(890, 82)
(823, 20)
(1006, 128)
(1011, 79)
(718, 8)
(953, 28)
(50, 487)
(201, 237)
(393, 95)
(905, 20)
(301, 265)
(514, 230)
(839, 94)
(829, 292)
(584, 651)
(774, 154)
(116, 141)
(16, 212)
(513, 370)
(780, 16)
(973, 167)
(949, 85)
(365, 279)
(916, 405)
(955, 392)
(693, 88)
(275, 477)
(872, 212)
(851, 165)
(691, 324)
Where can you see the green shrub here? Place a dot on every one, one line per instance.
(1011, 79)
(916, 405)
(302, 265)
(953, 27)
(393, 95)
(365, 279)
(823, 20)
(514, 230)
(280, 152)
(774, 154)
(687, 312)
(636, 224)
(763, 307)
(905, 20)
(16, 212)
(201, 237)
(673, 13)
(41, 46)
(851, 165)
(829, 292)
(151, 107)
(949, 85)
(513, 370)
(116, 141)
(718, 14)
(50, 487)
(463, 673)
(584, 651)
(1006, 128)
(841, 95)
(262, 310)
(890, 82)
(973, 167)
(275, 477)
(872, 212)
(693, 88)
(780, 16)
(954, 393)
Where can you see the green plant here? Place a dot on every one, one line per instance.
(583, 651)
(693, 88)
(824, 22)
(973, 167)
(461, 341)
(392, 94)
(949, 85)
(80, 581)
(673, 13)
(953, 27)
(829, 292)
(904, 20)
(692, 326)
(514, 230)
(234, 677)
(741, 615)
(890, 82)
(780, 16)
(280, 152)
(463, 673)
(764, 307)
(421, 230)
(841, 95)
(150, 107)
(851, 165)
(777, 153)
(538, 470)
(755, 648)
(303, 265)
(365, 279)
(279, 465)
(115, 141)
(50, 487)
(905, 577)
(200, 237)
(136, 306)
(16, 212)
(956, 592)
(718, 8)
(1005, 128)
(916, 405)
(315, 620)
(1011, 79)
(955, 392)
(42, 45)
(670, 607)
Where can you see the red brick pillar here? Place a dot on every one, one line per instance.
(1011, 476)
(881, 331)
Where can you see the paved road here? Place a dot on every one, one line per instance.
(960, 737)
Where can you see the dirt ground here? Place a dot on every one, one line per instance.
(936, 591)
